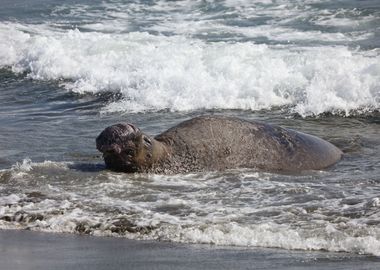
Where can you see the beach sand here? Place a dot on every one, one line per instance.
(36, 250)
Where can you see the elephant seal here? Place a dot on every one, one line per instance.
(209, 143)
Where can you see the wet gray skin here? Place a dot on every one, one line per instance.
(210, 143)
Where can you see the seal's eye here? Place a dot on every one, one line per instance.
(147, 140)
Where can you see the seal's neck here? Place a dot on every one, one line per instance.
(160, 151)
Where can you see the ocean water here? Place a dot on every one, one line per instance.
(69, 68)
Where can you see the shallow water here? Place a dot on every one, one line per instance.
(64, 250)
(69, 70)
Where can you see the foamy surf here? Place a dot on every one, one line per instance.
(235, 208)
(155, 72)
(68, 70)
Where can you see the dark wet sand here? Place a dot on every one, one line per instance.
(34, 250)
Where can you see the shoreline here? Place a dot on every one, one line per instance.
(20, 249)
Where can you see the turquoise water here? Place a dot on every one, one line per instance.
(67, 70)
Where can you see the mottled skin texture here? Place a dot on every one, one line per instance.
(214, 143)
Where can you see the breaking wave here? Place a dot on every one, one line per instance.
(177, 73)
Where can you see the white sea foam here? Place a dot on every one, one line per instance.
(269, 32)
(236, 208)
(279, 236)
(354, 239)
(27, 165)
(178, 73)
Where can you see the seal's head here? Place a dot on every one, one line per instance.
(125, 148)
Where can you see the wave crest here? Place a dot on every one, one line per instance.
(178, 74)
